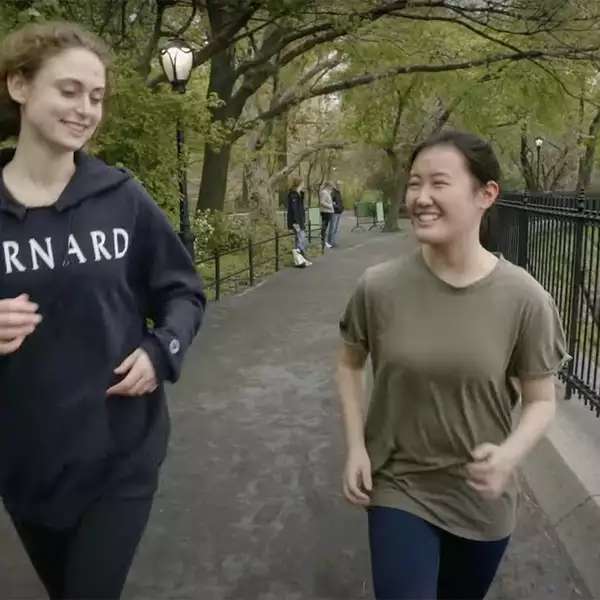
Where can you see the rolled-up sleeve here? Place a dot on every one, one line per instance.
(354, 322)
(541, 348)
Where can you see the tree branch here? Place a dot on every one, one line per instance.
(146, 58)
(329, 31)
(275, 178)
(369, 78)
(189, 22)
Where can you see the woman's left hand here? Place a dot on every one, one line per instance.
(140, 378)
(491, 471)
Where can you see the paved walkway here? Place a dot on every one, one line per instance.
(250, 507)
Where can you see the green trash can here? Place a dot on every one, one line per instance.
(364, 211)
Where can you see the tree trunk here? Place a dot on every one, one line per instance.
(398, 165)
(311, 166)
(527, 170)
(261, 196)
(213, 185)
(281, 155)
(586, 162)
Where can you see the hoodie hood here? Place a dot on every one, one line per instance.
(92, 177)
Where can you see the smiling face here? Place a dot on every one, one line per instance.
(61, 105)
(445, 201)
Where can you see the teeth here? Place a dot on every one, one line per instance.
(427, 218)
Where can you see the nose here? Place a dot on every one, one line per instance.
(423, 198)
(84, 106)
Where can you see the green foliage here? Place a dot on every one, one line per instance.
(216, 231)
(140, 131)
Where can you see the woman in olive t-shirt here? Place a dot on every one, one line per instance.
(456, 336)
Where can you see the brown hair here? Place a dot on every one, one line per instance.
(295, 182)
(26, 50)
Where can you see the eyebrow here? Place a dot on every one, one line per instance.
(78, 83)
(436, 174)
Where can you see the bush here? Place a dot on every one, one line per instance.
(217, 231)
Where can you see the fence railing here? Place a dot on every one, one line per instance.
(244, 264)
(556, 237)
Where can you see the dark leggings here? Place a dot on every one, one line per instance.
(91, 560)
(325, 219)
(414, 560)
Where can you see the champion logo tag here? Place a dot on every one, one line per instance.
(174, 346)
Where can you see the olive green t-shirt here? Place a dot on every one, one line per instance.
(445, 363)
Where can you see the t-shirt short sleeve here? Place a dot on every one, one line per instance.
(354, 322)
(541, 347)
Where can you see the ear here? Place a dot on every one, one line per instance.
(18, 87)
(489, 194)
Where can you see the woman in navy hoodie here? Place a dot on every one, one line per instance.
(87, 259)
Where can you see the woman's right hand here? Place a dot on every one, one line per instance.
(18, 319)
(357, 482)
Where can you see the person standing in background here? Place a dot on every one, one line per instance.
(296, 222)
(338, 209)
(326, 208)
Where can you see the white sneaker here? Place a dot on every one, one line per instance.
(307, 263)
(328, 245)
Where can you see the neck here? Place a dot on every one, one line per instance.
(463, 257)
(40, 164)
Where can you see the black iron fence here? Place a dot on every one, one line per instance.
(243, 264)
(226, 270)
(556, 237)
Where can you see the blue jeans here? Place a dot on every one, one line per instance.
(414, 560)
(300, 240)
(334, 225)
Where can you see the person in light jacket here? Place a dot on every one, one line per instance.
(338, 209)
(327, 211)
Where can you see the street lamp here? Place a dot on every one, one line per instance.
(539, 142)
(176, 60)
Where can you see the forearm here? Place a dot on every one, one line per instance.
(174, 329)
(535, 419)
(351, 389)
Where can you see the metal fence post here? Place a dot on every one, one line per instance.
(523, 229)
(251, 261)
(577, 283)
(276, 250)
(217, 275)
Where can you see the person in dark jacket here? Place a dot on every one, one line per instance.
(99, 302)
(296, 222)
(338, 209)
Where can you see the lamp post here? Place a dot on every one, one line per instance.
(176, 60)
(539, 142)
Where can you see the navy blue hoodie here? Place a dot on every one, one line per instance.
(101, 263)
